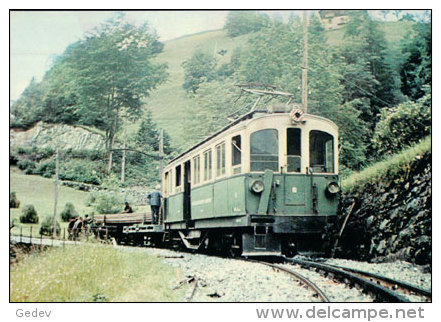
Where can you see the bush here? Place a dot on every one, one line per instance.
(68, 212)
(81, 171)
(45, 168)
(402, 126)
(26, 165)
(108, 203)
(29, 215)
(47, 227)
(13, 200)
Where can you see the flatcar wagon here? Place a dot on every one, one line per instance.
(266, 184)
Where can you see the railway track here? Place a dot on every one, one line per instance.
(394, 285)
(381, 288)
(299, 278)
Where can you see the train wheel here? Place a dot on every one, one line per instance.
(289, 249)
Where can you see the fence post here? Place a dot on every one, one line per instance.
(21, 234)
(30, 236)
(107, 234)
(41, 240)
(64, 236)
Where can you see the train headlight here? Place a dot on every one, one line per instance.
(257, 186)
(332, 189)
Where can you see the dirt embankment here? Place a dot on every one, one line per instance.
(391, 218)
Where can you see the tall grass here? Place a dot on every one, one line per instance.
(388, 167)
(92, 273)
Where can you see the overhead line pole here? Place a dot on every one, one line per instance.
(54, 232)
(161, 154)
(305, 62)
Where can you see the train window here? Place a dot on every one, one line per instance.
(321, 152)
(220, 159)
(196, 169)
(236, 154)
(264, 150)
(293, 149)
(178, 176)
(207, 165)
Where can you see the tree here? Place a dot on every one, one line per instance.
(110, 72)
(28, 109)
(244, 22)
(374, 80)
(148, 134)
(416, 71)
(201, 67)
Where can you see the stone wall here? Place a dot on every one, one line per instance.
(391, 218)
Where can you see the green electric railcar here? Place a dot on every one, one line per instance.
(267, 184)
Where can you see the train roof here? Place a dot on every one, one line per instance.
(254, 114)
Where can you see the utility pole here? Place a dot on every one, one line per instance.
(56, 194)
(305, 62)
(161, 154)
(123, 163)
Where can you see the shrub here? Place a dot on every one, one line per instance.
(80, 170)
(108, 203)
(68, 212)
(26, 165)
(402, 126)
(45, 168)
(29, 215)
(47, 227)
(13, 200)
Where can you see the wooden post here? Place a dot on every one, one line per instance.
(305, 62)
(123, 163)
(161, 167)
(54, 231)
(342, 228)
(161, 155)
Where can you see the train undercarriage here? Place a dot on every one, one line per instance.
(248, 235)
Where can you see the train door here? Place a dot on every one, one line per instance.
(187, 191)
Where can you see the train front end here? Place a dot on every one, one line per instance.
(292, 186)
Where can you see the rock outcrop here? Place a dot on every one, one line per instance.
(392, 217)
(57, 136)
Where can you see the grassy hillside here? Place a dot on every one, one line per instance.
(39, 191)
(387, 167)
(169, 103)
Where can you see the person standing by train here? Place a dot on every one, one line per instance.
(155, 203)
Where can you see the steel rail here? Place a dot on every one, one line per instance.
(381, 293)
(389, 282)
(302, 278)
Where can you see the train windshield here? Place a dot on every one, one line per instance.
(321, 152)
(264, 150)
